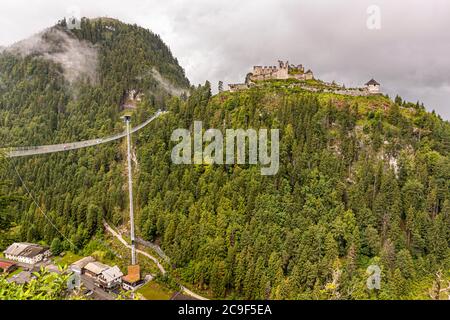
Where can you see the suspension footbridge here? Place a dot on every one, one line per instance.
(45, 149)
(36, 150)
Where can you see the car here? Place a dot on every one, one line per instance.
(88, 293)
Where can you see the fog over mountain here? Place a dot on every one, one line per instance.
(222, 40)
(78, 58)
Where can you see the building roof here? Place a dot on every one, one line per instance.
(33, 251)
(28, 250)
(16, 248)
(96, 267)
(131, 278)
(134, 274)
(372, 82)
(82, 262)
(21, 278)
(112, 274)
(6, 265)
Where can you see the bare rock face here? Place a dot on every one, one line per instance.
(169, 87)
(79, 59)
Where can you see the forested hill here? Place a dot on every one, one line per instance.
(362, 180)
(66, 85)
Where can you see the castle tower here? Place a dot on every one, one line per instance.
(283, 71)
(373, 86)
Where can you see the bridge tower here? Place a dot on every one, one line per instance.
(127, 119)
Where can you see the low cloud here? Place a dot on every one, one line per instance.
(169, 87)
(222, 40)
(78, 58)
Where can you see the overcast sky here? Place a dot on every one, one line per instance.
(222, 40)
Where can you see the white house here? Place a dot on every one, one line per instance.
(373, 86)
(26, 252)
(110, 278)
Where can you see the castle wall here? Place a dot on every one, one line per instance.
(238, 86)
(280, 72)
(373, 88)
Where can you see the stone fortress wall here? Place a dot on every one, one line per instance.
(284, 71)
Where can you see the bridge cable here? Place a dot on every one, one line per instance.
(37, 204)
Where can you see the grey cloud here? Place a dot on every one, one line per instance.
(222, 40)
(78, 58)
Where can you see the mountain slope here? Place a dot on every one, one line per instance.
(47, 97)
(362, 180)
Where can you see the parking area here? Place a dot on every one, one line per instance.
(93, 291)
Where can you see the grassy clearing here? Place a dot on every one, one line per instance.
(67, 259)
(154, 291)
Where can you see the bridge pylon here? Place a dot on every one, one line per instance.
(127, 119)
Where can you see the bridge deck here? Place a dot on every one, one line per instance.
(29, 151)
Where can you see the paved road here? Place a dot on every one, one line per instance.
(121, 239)
(29, 151)
(152, 246)
(99, 294)
(21, 278)
(161, 268)
(192, 294)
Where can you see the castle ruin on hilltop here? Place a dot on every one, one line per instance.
(289, 71)
(283, 71)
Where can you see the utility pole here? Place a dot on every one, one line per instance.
(130, 191)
